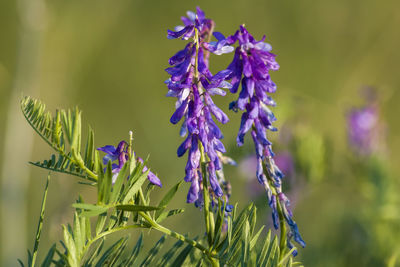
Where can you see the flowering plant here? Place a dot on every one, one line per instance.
(124, 201)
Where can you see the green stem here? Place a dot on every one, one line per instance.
(176, 235)
(196, 60)
(183, 238)
(208, 216)
(282, 241)
(40, 224)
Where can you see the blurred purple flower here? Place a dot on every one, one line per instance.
(284, 161)
(364, 129)
(120, 153)
(249, 164)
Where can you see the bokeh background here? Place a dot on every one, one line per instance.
(108, 57)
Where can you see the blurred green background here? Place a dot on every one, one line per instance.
(108, 57)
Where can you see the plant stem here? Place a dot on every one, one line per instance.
(208, 216)
(282, 241)
(176, 235)
(196, 60)
(40, 224)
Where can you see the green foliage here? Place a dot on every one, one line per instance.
(62, 132)
(244, 246)
(126, 205)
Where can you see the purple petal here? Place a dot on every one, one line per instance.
(218, 145)
(108, 158)
(202, 67)
(174, 35)
(193, 193)
(219, 36)
(179, 56)
(195, 153)
(249, 86)
(243, 99)
(108, 149)
(261, 133)
(218, 113)
(220, 76)
(263, 46)
(184, 146)
(178, 114)
(247, 71)
(214, 181)
(200, 14)
(216, 91)
(154, 179)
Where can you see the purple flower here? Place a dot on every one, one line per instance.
(193, 84)
(120, 153)
(193, 20)
(251, 67)
(365, 130)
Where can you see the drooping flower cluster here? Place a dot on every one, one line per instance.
(251, 67)
(193, 84)
(121, 154)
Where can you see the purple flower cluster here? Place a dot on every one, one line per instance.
(251, 67)
(193, 84)
(121, 154)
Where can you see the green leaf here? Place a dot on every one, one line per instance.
(167, 214)
(132, 207)
(110, 252)
(182, 256)
(89, 150)
(116, 189)
(287, 256)
(153, 252)
(255, 238)
(70, 245)
(219, 222)
(49, 257)
(135, 187)
(271, 253)
(167, 198)
(107, 183)
(96, 252)
(245, 242)
(135, 251)
(170, 254)
(53, 129)
(78, 234)
(90, 209)
(265, 248)
(101, 220)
